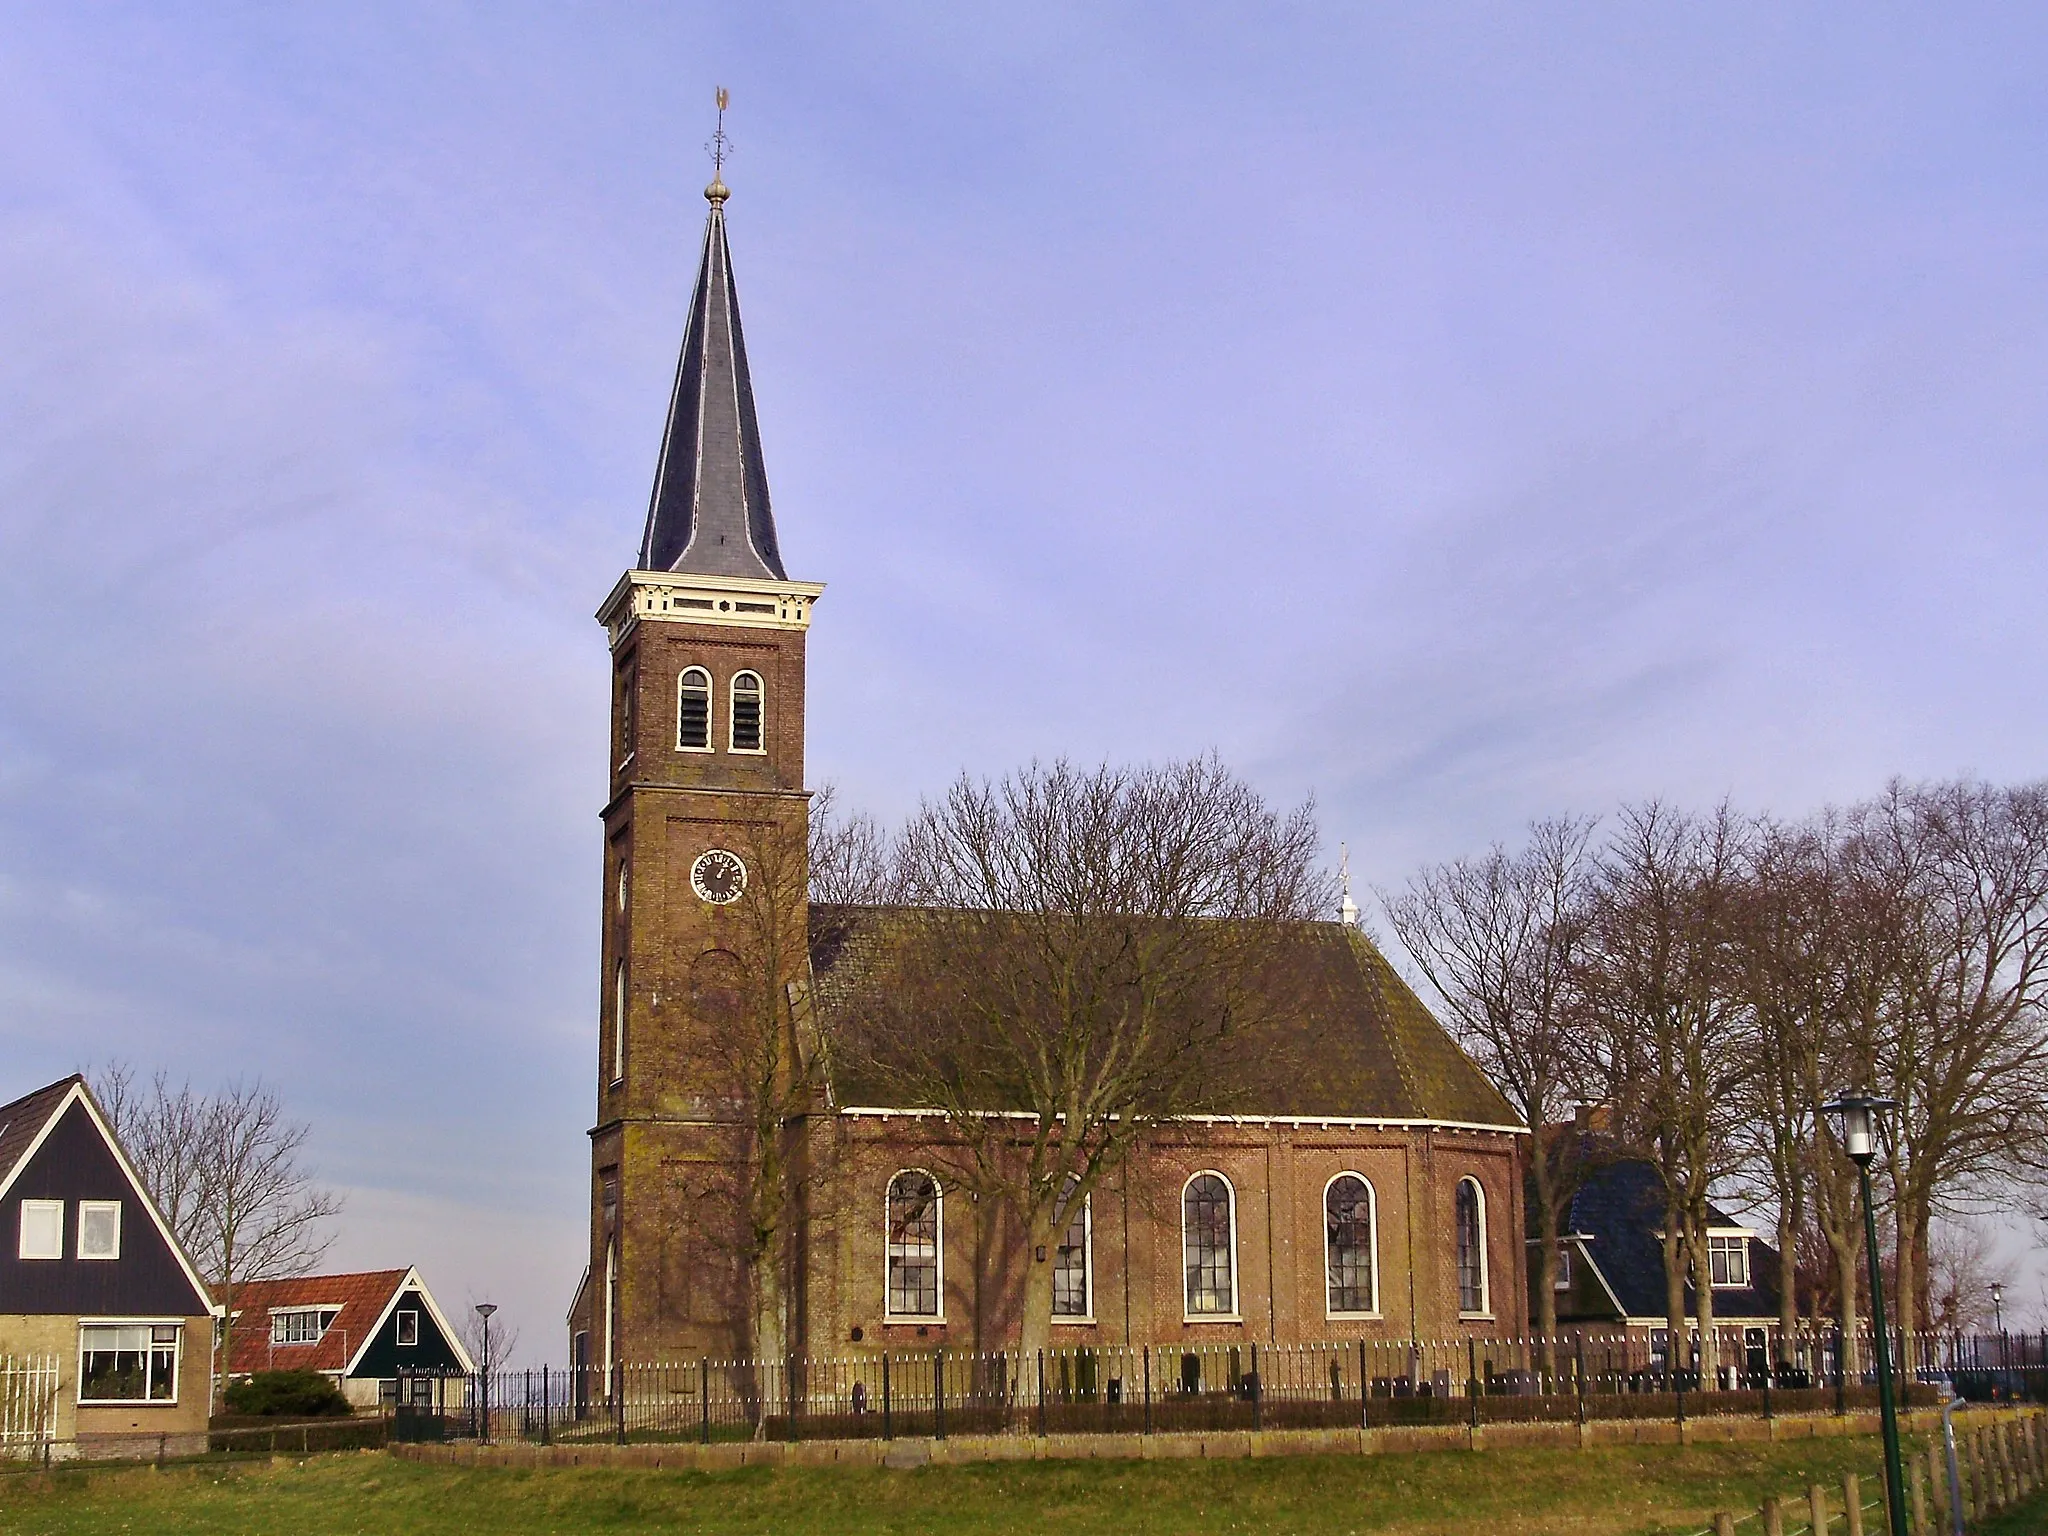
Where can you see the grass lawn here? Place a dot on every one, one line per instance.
(1583, 1493)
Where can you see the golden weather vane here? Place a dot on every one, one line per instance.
(720, 146)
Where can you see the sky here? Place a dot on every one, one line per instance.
(1457, 414)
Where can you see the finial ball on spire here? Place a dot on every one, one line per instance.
(717, 192)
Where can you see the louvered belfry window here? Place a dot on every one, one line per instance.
(746, 712)
(693, 710)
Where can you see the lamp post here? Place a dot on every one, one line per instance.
(1998, 1307)
(484, 1309)
(1857, 1115)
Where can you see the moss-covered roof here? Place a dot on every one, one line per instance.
(1361, 1045)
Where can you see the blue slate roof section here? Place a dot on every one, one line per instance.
(709, 512)
(1621, 1207)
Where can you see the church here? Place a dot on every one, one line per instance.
(1376, 1194)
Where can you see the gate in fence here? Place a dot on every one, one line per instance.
(28, 1405)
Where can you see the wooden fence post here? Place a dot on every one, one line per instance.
(1773, 1516)
(1982, 1500)
(1817, 1508)
(1724, 1524)
(1852, 1502)
(1917, 1473)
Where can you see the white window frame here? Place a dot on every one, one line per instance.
(710, 709)
(1485, 1312)
(1081, 1319)
(152, 1324)
(324, 1316)
(23, 1249)
(1372, 1251)
(1728, 1243)
(618, 1022)
(1563, 1282)
(97, 1207)
(732, 690)
(889, 1314)
(1230, 1190)
(399, 1329)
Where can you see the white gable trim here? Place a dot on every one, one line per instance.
(1586, 1251)
(79, 1095)
(410, 1281)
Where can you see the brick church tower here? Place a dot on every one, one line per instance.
(707, 810)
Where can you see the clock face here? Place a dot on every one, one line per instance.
(718, 877)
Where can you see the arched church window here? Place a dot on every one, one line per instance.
(1208, 1238)
(1071, 1278)
(693, 710)
(915, 1223)
(1348, 1245)
(747, 702)
(1471, 1217)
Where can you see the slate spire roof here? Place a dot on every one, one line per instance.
(709, 513)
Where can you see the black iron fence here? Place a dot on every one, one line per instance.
(1162, 1388)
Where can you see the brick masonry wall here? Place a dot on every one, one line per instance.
(1278, 1173)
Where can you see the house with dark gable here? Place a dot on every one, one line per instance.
(1610, 1274)
(92, 1278)
(380, 1336)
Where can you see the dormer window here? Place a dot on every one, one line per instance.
(747, 703)
(693, 710)
(301, 1325)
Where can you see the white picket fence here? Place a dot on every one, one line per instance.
(28, 1404)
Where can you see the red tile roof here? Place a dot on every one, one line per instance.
(361, 1298)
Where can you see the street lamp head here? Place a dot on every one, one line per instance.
(1857, 1114)
(484, 1309)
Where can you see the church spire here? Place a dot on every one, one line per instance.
(709, 513)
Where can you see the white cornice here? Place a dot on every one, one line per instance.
(678, 597)
(1311, 1122)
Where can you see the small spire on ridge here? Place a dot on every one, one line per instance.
(1347, 909)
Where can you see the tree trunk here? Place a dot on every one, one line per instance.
(1545, 1179)
(1703, 1293)
(1041, 1242)
(1674, 1286)
(1788, 1282)
(1846, 1255)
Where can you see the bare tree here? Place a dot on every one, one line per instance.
(1498, 938)
(1961, 1273)
(1079, 955)
(849, 854)
(225, 1171)
(1658, 990)
(504, 1339)
(1966, 1053)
